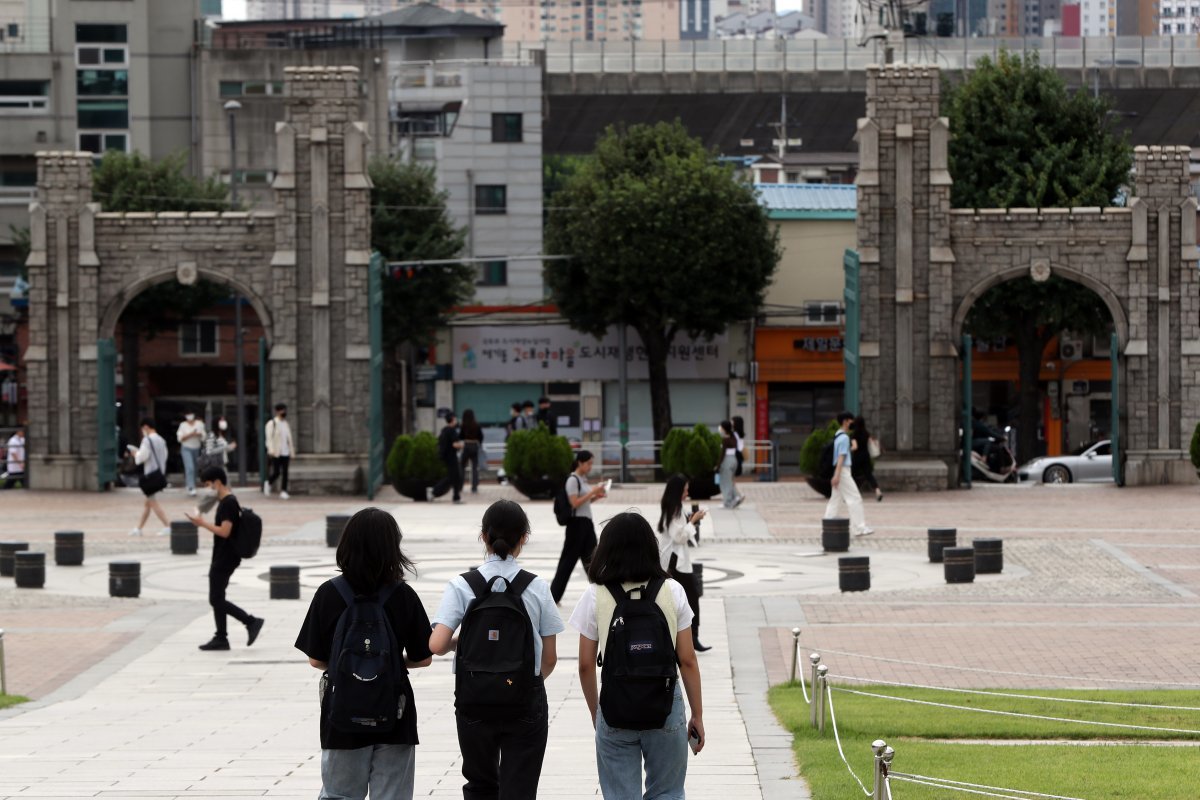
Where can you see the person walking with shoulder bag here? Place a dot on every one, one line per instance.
(151, 456)
(505, 649)
(675, 529)
(368, 709)
(844, 489)
(862, 454)
(639, 721)
(580, 536)
(472, 449)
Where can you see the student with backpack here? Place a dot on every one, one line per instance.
(505, 650)
(226, 558)
(366, 628)
(845, 490)
(634, 622)
(573, 509)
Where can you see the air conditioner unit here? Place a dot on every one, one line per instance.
(1070, 349)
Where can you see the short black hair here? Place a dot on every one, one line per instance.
(527, 404)
(148, 423)
(450, 417)
(516, 407)
(281, 406)
(627, 552)
(369, 554)
(581, 457)
(214, 474)
(842, 417)
(543, 400)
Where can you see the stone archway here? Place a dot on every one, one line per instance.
(303, 265)
(924, 263)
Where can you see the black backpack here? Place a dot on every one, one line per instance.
(494, 666)
(826, 468)
(638, 668)
(367, 676)
(563, 512)
(248, 535)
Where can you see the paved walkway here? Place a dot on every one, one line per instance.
(1101, 588)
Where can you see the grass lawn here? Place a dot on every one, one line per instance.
(1135, 772)
(7, 700)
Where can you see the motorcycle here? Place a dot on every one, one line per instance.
(992, 457)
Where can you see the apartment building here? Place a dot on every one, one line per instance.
(1178, 17)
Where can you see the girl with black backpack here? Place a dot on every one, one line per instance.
(635, 724)
(382, 761)
(505, 650)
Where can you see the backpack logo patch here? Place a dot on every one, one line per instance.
(493, 635)
(641, 647)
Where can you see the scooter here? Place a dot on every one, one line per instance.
(992, 458)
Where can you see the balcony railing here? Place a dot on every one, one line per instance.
(844, 55)
(22, 105)
(17, 195)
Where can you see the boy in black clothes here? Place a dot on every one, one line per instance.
(225, 560)
(449, 445)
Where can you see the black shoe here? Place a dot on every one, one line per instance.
(217, 643)
(700, 648)
(253, 626)
(878, 498)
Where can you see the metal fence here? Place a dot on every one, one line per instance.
(845, 55)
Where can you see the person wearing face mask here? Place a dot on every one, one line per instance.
(280, 447)
(191, 440)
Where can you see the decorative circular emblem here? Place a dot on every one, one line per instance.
(187, 274)
(1039, 270)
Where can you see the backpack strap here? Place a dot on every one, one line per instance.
(652, 588)
(520, 582)
(476, 583)
(344, 589)
(617, 591)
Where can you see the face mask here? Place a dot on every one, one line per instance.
(190, 417)
(223, 425)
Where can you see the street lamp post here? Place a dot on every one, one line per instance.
(231, 108)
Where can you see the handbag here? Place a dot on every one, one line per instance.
(874, 448)
(156, 481)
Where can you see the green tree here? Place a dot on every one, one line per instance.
(132, 182)
(662, 238)
(1023, 139)
(409, 222)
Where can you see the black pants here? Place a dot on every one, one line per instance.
(578, 545)
(453, 480)
(279, 469)
(502, 759)
(218, 582)
(470, 455)
(866, 481)
(688, 581)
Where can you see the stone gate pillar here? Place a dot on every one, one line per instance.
(909, 362)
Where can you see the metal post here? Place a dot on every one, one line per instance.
(795, 652)
(878, 747)
(240, 379)
(623, 385)
(814, 660)
(3, 675)
(232, 107)
(820, 691)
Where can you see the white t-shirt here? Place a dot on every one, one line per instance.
(594, 613)
(16, 454)
(673, 542)
(187, 429)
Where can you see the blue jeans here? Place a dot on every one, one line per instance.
(728, 490)
(387, 770)
(620, 752)
(189, 465)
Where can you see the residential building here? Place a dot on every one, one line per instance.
(315, 9)
(698, 18)
(1179, 17)
(1099, 17)
(767, 25)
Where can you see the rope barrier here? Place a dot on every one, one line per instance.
(949, 788)
(1016, 713)
(1007, 672)
(887, 786)
(838, 739)
(800, 670)
(1018, 696)
(905, 775)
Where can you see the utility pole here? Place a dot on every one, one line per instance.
(623, 391)
(232, 108)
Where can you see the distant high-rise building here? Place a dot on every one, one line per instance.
(316, 9)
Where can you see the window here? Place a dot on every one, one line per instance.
(198, 337)
(103, 114)
(101, 82)
(100, 142)
(18, 97)
(103, 34)
(251, 88)
(493, 273)
(111, 57)
(251, 177)
(491, 199)
(822, 313)
(506, 128)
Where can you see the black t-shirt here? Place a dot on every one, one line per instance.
(410, 624)
(224, 551)
(446, 440)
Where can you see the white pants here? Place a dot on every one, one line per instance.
(846, 492)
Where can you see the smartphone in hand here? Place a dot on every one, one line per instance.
(694, 740)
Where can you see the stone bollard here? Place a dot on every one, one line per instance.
(334, 524)
(68, 548)
(30, 570)
(835, 535)
(959, 564)
(939, 540)
(124, 578)
(854, 573)
(989, 556)
(185, 538)
(7, 552)
(285, 582)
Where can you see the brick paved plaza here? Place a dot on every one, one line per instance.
(1100, 589)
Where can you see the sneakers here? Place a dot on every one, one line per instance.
(284, 496)
(429, 494)
(267, 489)
(865, 532)
(136, 532)
(458, 501)
(253, 627)
(741, 498)
(191, 492)
(216, 643)
(165, 531)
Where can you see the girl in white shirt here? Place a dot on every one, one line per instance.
(676, 530)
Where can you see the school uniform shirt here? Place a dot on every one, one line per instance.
(674, 542)
(224, 550)
(594, 612)
(543, 613)
(578, 487)
(152, 454)
(409, 623)
(16, 454)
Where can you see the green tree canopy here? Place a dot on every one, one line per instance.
(1022, 139)
(133, 182)
(409, 222)
(662, 238)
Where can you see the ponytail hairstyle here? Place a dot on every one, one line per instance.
(739, 426)
(672, 500)
(505, 527)
(581, 457)
(726, 427)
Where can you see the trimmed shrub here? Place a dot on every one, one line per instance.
(1195, 450)
(674, 448)
(695, 453)
(810, 453)
(536, 453)
(415, 458)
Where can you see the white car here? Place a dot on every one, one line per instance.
(1089, 464)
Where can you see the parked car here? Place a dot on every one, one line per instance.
(1091, 463)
